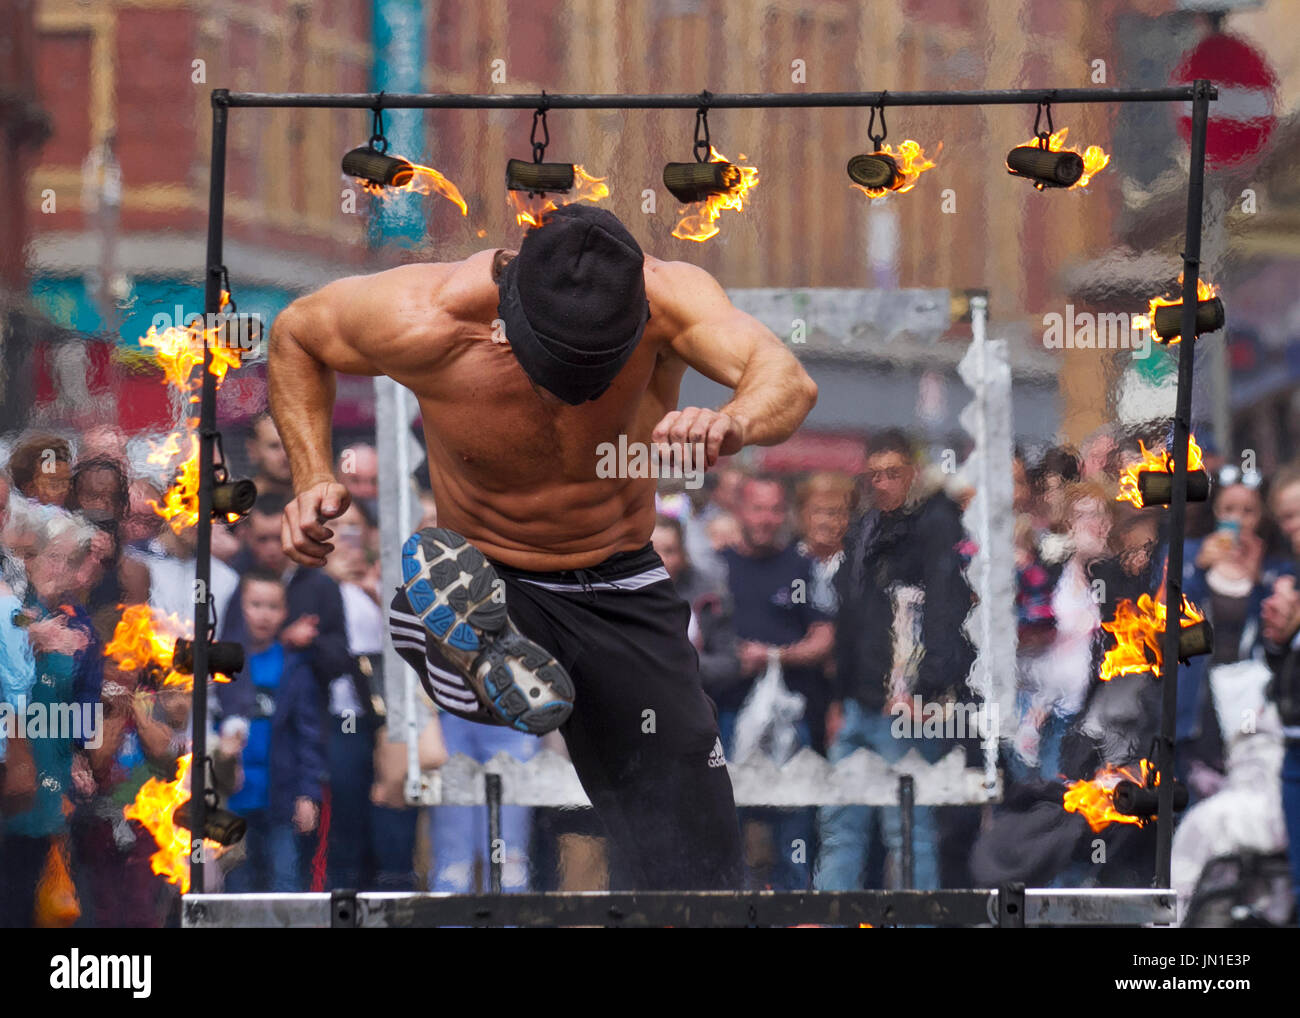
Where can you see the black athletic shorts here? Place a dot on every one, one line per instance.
(643, 735)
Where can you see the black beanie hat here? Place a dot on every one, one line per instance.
(573, 301)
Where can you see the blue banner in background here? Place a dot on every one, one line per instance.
(399, 33)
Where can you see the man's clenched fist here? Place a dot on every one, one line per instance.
(718, 433)
(303, 533)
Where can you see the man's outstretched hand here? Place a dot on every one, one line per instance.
(303, 533)
(719, 433)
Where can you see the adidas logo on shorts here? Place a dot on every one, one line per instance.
(717, 758)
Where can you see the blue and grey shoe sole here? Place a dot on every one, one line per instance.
(456, 594)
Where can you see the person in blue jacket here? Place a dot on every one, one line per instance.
(1227, 574)
(273, 708)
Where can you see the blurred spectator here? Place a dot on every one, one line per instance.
(1280, 626)
(100, 491)
(459, 834)
(270, 461)
(1058, 680)
(350, 744)
(142, 522)
(275, 705)
(171, 561)
(675, 501)
(769, 584)
(824, 503)
(38, 773)
(140, 740)
(710, 627)
(12, 572)
(1035, 622)
(104, 441)
(316, 623)
(40, 467)
(1095, 454)
(358, 469)
(225, 543)
(724, 532)
(902, 603)
(728, 481)
(1034, 582)
(1227, 575)
(1049, 479)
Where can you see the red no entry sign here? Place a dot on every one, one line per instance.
(1243, 116)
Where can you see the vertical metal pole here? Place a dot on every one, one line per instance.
(907, 816)
(203, 552)
(1178, 503)
(495, 846)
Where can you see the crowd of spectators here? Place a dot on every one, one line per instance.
(845, 594)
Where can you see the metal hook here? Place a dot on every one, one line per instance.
(703, 146)
(539, 115)
(1043, 137)
(877, 139)
(377, 125)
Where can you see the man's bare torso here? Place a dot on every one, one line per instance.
(513, 468)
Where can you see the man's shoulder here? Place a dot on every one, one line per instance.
(678, 292)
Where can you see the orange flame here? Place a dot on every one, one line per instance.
(1094, 158)
(180, 504)
(912, 162)
(425, 180)
(1138, 630)
(154, 806)
(1095, 799)
(701, 224)
(1154, 461)
(144, 637)
(531, 209)
(1204, 291)
(180, 350)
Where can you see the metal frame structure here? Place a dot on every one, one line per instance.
(1011, 905)
(679, 904)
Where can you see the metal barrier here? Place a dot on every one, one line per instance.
(1009, 906)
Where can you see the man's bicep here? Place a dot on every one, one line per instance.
(710, 333)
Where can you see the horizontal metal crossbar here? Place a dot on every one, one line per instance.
(1043, 907)
(742, 100)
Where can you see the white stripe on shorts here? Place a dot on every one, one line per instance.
(636, 582)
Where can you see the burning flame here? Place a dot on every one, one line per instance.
(1204, 291)
(144, 637)
(154, 806)
(180, 350)
(1095, 798)
(1154, 461)
(701, 224)
(532, 209)
(180, 504)
(141, 640)
(1138, 629)
(425, 180)
(912, 162)
(1094, 158)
